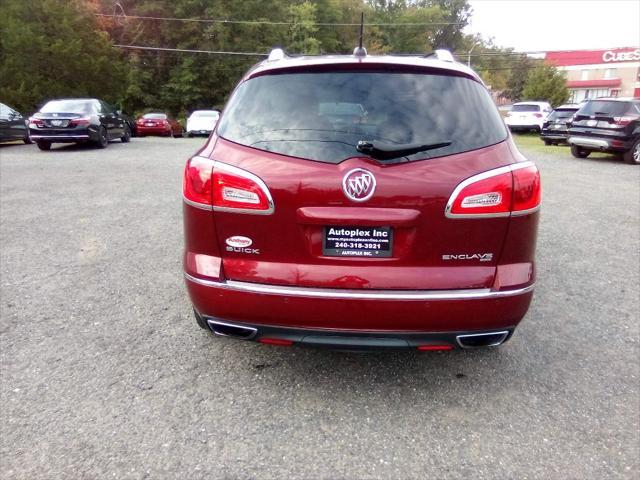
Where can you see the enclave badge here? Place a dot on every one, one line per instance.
(359, 184)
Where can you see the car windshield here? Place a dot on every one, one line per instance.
(606, 107)
(67, 106)
(155, 116)
(323, 116)
(558, 114)
(205, 114)
(526, 108)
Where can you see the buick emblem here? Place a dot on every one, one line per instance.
(359, 184)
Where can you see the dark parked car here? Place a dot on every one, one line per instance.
(555, 129)
(158, 124)
(13, 126)
(414, 228)
(607, 125)
(78, 120)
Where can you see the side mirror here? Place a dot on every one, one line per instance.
(119, 111)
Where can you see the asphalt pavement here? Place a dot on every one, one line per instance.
(104, 373)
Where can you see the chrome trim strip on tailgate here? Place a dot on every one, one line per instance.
(463, 294)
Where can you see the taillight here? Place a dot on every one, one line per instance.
(236, 190)
(197, 183)
(505, 191)
(140, 121)
(80, 121)
(35, 123)
(221, 187)
(537, 115)
(624, 121)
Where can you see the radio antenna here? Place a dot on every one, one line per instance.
(360, 51)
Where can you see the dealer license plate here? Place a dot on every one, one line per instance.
(342, 241)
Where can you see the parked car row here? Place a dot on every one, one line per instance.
(610, 125)
(90, 120)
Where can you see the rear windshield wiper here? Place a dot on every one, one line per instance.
(388, 151)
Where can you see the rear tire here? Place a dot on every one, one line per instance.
(103, 139)
(127, 135)
(548, 142)
(44, 145)
(579, 152)
(633, 156)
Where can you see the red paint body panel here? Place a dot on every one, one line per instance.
(356, 315)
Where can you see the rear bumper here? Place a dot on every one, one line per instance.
(372, 311)
(356, 340)
(140, 130)
(60, 136)
(602, 144)
(555, 135)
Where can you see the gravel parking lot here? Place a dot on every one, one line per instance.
(104, 373)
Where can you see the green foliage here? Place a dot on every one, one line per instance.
(546, 83)
(62, 49)
(518, 77)
(55, 50)
(302, 33)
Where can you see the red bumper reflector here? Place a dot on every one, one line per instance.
(276, 341)
(434, 347)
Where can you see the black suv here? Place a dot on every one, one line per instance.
(607, 125)
(555, 128)
(77, 120)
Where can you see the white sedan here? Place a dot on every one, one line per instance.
(202, 122)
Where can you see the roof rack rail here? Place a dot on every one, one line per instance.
(276, 54)
(442, 54)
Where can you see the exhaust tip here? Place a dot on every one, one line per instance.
(477, 340)
(225, 329)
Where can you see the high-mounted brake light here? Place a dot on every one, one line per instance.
(225, 188)
(502, 192)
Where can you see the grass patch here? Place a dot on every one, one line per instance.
(531, 141)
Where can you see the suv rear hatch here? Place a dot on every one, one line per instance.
(284, 128)
(609, 119)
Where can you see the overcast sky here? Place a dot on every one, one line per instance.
(528, 25)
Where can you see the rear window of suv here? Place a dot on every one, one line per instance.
(608, 107)
(561, 114)
(526, 108)
(323, 116)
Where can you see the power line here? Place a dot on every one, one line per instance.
(185, 50)
(267, 22)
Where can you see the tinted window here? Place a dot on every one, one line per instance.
(556, 114)
(322, 116)
(599, 107)
(526, 108)
(155, 116)
(68, 106)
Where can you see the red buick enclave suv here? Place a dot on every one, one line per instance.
(361, 202)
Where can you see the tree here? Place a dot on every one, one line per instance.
(55, 50)
(546, 83)
(518, 77)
